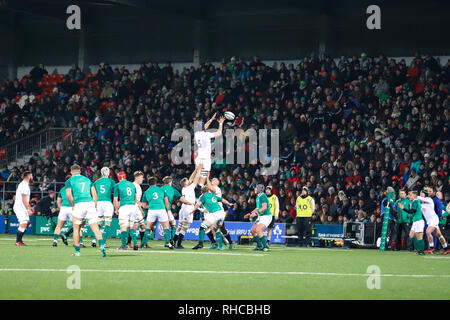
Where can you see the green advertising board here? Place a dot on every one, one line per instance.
(43, 226)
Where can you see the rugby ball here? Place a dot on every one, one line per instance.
(229, 115)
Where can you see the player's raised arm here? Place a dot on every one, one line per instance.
(218, 133)
(197, 176)
(208, 123)
(210, 186)
(191, 178)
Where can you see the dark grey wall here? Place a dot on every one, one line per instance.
(275, 31)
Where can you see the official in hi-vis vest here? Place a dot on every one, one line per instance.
(274, 206)
(305, 206)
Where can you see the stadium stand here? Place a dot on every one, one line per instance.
(349, 127)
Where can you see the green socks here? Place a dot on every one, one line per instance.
(258, 242)
(77, 248)
(105, 232)
(124, 237)
(133, 236)
(419, 245)
(219, 239)
(55, 237)
(146, 236)
(81, 239)
(173, 231)
(152, 235)
(201, 235)
(166, 236)
(263, 240)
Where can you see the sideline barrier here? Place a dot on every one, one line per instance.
(235, 229)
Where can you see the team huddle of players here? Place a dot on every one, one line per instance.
(82, 200)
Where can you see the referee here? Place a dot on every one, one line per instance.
(305, 206)
(274, 206)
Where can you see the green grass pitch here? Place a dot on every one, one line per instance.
(38, 271)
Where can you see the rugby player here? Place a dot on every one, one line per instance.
(65, 213)
(185, 218)
(263, 218)
(22, 207)
(203, 141)
(155, 199)
(432, 220)
(125, 207)
(82, 197)
(213, 186)
(415, 211)
(213, 219)
(105, 209)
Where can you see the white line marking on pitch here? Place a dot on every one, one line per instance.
(173, 251)
(437, 257)
(241, 272)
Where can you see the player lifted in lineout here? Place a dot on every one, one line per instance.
(203, 141)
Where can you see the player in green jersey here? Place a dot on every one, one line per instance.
(82, 197)
(402, 226)
(213, 219)
(263, 218)
(172, 193)
(213, 186)
(105, 209)
(65, 213)
(155, 199)
(126, 209)
(415, 211)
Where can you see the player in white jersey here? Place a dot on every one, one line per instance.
(140, 221)
(22, 207)
(203, 141)
(213, 186)
(185, 218)
(432, 220)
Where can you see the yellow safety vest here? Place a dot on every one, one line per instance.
(304, 207)
(272, 203)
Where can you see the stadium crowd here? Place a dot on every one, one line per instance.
(348, 129)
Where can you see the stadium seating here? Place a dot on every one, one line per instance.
(347, 126)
